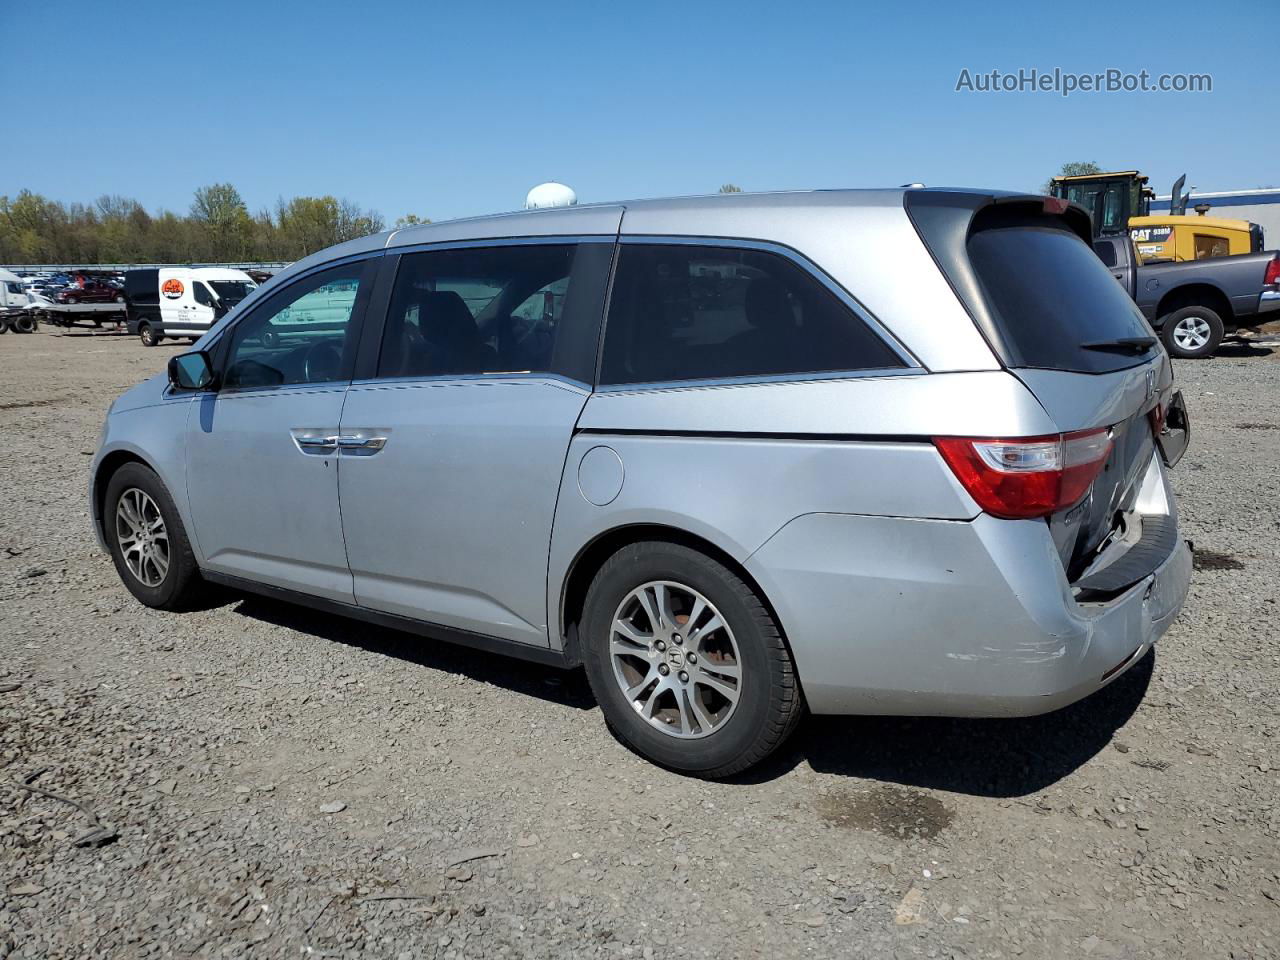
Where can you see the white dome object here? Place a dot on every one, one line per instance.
(550, 194)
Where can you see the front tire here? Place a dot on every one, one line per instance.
(687, 664)
(147, 541)
(1192, 333)
(147, 334)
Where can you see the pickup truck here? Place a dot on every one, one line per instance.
(90, 290)
(1193, 304)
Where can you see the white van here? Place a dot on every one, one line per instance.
(181, 301)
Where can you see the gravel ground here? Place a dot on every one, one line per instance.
(270, 782)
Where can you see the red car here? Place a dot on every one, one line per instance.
(89, 290)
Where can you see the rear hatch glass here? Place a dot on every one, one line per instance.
(1054, 303)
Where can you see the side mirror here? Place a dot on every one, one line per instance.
(191, 371)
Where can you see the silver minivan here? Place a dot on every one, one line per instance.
(877, 452)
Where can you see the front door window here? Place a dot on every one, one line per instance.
(303, 335)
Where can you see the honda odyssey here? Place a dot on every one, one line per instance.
(876, 452)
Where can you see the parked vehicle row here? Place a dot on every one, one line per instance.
(886, 452)
(84, 289)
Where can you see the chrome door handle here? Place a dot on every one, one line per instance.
(316, 445)
(362, 444)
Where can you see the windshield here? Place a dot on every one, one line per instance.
(232, 291)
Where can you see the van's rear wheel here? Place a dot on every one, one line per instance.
(147, 334)
(688, 666)
(1192, 333)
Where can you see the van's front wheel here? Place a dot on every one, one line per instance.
(686, 662)
(147, 334)
(147, 541)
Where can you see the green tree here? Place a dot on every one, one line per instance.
(123, 228)
(354, 222)
(218, 227)
(29, 227)
(411, 220)
(1073, 168)
(228, 230)
(307, 224)
(730, 188)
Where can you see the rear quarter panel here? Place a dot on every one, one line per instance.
(733, 464)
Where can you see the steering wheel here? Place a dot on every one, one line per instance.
(323, 361)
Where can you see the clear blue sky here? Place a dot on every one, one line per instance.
(454, 109)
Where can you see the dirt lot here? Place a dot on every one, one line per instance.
(284, 784)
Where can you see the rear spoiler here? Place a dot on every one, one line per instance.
(1027, 204)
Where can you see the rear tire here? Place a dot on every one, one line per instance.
(1192, 332)
(158, 567)
(24, 325)
(724, 733)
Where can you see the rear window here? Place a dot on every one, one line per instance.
(1050, 296)
(694, 312)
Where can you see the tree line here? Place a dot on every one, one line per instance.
(218, 228)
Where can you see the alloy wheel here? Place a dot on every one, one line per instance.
(143, 539)
(675, 659)
(1192, 333)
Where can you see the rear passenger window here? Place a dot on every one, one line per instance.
(477, 310)
(687, 312)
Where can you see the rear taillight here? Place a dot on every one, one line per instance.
(1029, 476)
(1272, 276)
